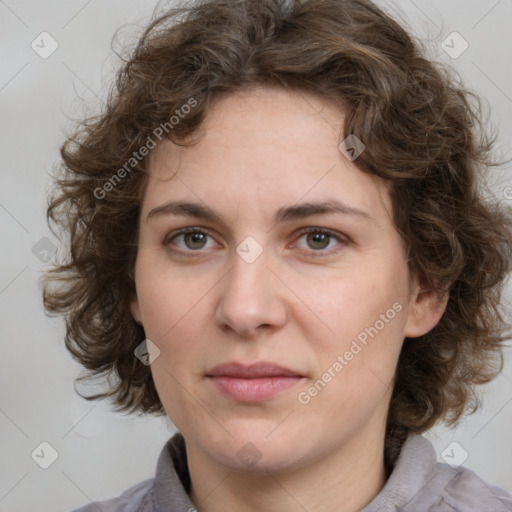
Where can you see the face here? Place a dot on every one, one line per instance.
(290, 258)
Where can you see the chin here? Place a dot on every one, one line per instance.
(261, 448)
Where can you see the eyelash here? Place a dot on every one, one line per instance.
(312, 229)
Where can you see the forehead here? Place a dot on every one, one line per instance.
(264, 146)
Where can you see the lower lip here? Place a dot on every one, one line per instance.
(253, 390)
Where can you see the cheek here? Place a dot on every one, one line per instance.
(170, 300)
(357, 365)
(176, 324)
(348, 308)
(357, 358)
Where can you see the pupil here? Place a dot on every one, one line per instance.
(319, 238)
(196, 237)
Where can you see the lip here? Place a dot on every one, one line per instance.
(252, 383)
(251, 371)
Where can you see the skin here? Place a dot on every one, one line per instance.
(300, 304)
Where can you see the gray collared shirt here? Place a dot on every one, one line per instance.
(418, 483)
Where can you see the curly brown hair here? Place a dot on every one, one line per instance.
(423, 132)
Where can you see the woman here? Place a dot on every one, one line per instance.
(279, 238)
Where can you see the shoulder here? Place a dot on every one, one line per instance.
(462, 489)
(167, 490)
(444, 488)
(131, 500)
(418, 483)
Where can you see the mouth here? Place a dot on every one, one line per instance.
(252, 383)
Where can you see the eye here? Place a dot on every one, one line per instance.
(320, 239)
(192, 239)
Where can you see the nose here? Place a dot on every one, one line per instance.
(252, 298)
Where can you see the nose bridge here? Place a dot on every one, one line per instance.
(246, 278)
(250, 297)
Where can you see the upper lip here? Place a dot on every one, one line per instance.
(255, 370)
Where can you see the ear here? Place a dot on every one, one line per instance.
(135, 309)
(426, 307)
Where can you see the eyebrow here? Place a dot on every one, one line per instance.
(286, 213)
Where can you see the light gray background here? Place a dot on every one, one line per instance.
(100, 453)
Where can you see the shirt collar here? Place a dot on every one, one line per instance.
(409, 477)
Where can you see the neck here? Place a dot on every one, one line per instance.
(344, 480)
